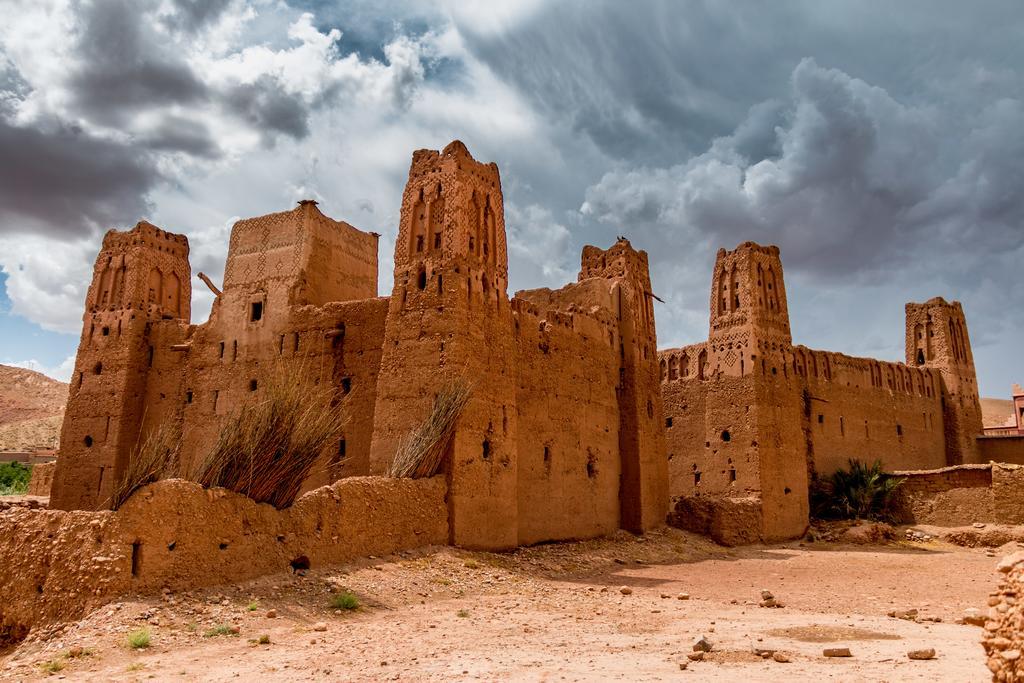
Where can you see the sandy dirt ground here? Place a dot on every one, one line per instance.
(552, 613)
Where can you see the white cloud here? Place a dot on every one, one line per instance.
(61, 372)
(47, 280)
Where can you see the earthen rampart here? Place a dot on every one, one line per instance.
(59, 564)
(961, 495)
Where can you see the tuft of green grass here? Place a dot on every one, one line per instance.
(14, 478)
(264, 639)
(139, 640)
(253, 606)
(345, 600)
(221, 630)
(462, 613)
(136, 666)
(52, 666)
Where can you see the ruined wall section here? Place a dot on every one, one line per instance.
(568, 466)
(141, 280)
(58, 565)
(337, 344)
(865, 409)
(643, 493)
(936, 337)
(298, 305)
(450, 317)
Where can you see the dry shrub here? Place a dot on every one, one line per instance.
(267, 447)
(151, 460)
(420, 454)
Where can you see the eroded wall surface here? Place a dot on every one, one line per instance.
(173, 534)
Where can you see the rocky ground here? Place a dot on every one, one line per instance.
(618, 609)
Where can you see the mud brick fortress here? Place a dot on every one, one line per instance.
(564, 433)
(752, 418)
(577, 425)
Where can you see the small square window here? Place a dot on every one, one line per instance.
(668, 422)
(821, 419)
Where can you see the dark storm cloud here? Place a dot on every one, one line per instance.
(656, 81)
(179, 134)
(123, 68)
(266, 106)
(192, 15)
(58, 180)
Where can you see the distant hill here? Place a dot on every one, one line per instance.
(997, 412)
(31, 409)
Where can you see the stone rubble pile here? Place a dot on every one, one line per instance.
(1004, 628)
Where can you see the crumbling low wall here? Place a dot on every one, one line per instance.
(42, 478)
(1003, 637)
(729, 521)
(962, 495)
(174, 534)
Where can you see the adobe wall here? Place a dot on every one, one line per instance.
(174, 534)
(1001, 449)
(41, 479)
(869, 410)
(568, 447)
(962, 495)
(338, 343)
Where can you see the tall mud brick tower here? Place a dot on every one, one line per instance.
(737, 456)
(937, 338)
(748, 340)
(449, 318)
(140, 281)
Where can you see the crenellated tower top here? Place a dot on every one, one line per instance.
(452, 209)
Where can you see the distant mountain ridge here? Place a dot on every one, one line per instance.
(31, 409)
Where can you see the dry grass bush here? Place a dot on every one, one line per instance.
(152, 459)
(421, 453)
(267, 447)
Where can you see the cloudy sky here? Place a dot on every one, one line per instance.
(879, 144)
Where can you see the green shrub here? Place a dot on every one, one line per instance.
(14, 478)
(52, 666)
(344, 600)
(221, 630)
(138, 640)
(862, 492)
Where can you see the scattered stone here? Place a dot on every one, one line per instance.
(837, 652)
(271, 614)
(665, 595)
(766, 594)
(319, 626)
(973, 616)
(683, 596)
(781, 658)
(683, 665)
(626, 590)
(927, 653)
(702, 645)
(695, 656)
(908, 614)
(1009, 562)
(978, 525)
